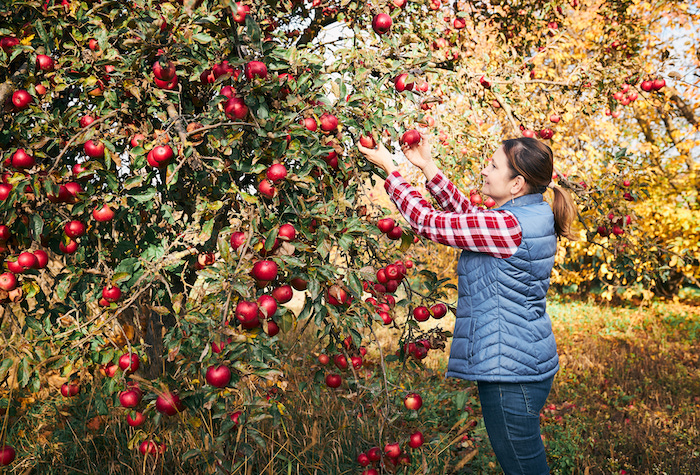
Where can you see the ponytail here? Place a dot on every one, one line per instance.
(564, 210)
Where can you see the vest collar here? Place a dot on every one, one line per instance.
(531, 199)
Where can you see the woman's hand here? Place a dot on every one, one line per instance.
(421, 156)
(380, 156)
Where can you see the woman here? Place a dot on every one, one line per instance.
(503, 336)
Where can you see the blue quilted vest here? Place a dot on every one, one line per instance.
(502, 332)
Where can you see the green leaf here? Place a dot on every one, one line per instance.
(36, 224)
(5, 367)
(23, 372)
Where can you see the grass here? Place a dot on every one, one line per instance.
(626, 400)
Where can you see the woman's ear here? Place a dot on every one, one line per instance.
(518, 185)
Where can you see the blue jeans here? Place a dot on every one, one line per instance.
(512, 416)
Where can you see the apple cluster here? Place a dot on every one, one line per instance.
(388, 278)
(340, 361)
(131, 396)
(393, 455)
(389, 227)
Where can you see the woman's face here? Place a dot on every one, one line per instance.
(498, 183)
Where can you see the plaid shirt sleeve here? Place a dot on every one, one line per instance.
(447, 195)
(493, 232)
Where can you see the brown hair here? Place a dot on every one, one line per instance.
(534, 161)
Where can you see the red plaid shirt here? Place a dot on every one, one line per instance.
(492, 231)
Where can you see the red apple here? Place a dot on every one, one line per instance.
(647, 86)
(413, 401)
(363, 459)
(298, 283)
(103, 213)
(238, 238)
(392, 450)
(110, 369)
(395, 233)
(333, 380)
(5, 190)
(400, 83)
(42, 258)
(22, 160)
(235, 108)
(374, 454)
(385, 225)
(247, 314)
(169, 404)
(310, 123)
(271, 328)
(7, 43)
(283, 293)
(7, 452)
(137, 140)
(8, 281)
(135, 418)
(111, 293)
(421, 313)
(218, 376)
(267, 306)
(148, 447)
(94, 149)
(241, 11)
(276, 172)
(266, 188)
(264, 271)
(74, 229)
(340, 361)
(162, 154)
(658, 84)
(489, 202)
(287, 232)
(329, 122)
(165, 71)
(21, 99)
(130, 398)
(368, 141)
(381, 23)
(324, 359)
(337, 295)
(546, 133)
(5, 233)
(27, 260)
(68, 248)
(415, 440)
(410, 137)
(44, 62)
(69, 389)
(129, 362)
(554, 118)
(438, 310)
(255, 69)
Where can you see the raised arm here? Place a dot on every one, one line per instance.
(494, 232)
